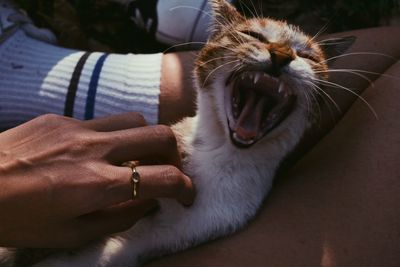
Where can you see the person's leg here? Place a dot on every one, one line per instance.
(374, 51)
(38, 78)
(338, 205)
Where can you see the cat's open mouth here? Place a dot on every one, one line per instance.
(258, 103)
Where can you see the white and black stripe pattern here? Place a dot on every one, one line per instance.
(35, 78)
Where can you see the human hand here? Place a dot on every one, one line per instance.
(62, 184)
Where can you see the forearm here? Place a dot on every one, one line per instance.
(37, 78)
(177, 96)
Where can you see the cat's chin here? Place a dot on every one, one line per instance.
(257, 104)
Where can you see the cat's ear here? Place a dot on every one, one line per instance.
(334, 47)
(224, 15)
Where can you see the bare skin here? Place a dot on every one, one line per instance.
(338, 205)
(78, 166)
(63, 185)
(290, 227)
(177, 99)
(80, 210)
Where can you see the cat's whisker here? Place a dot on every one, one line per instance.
(229, 49)
(335, 85)
(202, 11)
(229, 27)
(329, 98)
(315, 100)
(194, 8)
(350, 71)
(214, 59)
(237, 68)
(237, 36)
(217, 68)
(324, 95)
(308, 101)
(359, 53)
(322, 30)
(333, 43)
(232, 32)
(241, 3)
(363, 71)
(261, 9)
(221, 46)
(316, 89)
(255, 10)
(325, 42)
(183, 44)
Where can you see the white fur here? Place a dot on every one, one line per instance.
(231, 185)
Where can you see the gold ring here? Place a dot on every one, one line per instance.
(135, 179)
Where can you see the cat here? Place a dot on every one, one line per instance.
(255, 79)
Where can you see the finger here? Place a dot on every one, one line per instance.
(144, 143)
(161, 181)
(165, 181)
(116, 122)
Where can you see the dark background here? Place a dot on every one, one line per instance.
(104, 25)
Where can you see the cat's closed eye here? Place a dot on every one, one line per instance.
(255, 35)
(307, 55)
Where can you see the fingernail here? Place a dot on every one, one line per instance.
(188, 197)
(187, 200)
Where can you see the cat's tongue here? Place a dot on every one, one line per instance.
(259, 103)
(248, 123)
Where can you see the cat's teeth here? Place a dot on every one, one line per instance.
(257, 77)
(244, 142)
(280, 87)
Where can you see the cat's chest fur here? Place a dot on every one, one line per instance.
(237, 178)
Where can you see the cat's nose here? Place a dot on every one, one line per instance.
(280, 57)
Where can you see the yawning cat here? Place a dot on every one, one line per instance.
(256, 80)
